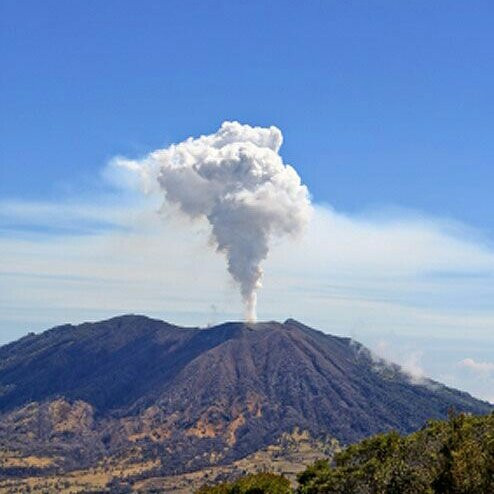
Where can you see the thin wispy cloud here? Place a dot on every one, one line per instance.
(352, 271)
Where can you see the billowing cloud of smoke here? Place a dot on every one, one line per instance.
(236, 179)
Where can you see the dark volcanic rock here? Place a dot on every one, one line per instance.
(181, 394)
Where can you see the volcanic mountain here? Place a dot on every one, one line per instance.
(193, 397)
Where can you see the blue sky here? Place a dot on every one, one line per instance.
(386, 110)
(381, 102)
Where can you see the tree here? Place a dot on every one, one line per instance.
(260, 483)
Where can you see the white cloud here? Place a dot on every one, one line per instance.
(394, 247)
(483, 368)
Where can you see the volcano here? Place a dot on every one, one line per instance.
(191, 397)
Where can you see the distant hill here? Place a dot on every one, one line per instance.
(181, 399)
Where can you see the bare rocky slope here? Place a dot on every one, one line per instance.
(135, 387)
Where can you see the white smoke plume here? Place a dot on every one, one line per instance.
(236, 179)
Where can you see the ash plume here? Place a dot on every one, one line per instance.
(236, 179)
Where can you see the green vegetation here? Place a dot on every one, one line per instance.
(260, 483)
(445, 457)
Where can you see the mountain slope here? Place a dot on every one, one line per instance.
(194, 397)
